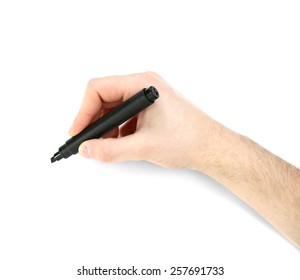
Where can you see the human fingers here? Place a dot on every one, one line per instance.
(114, 150)
(108, 92)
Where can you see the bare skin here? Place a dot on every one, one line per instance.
(185, 137)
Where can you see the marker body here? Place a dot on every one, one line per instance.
(109, 121)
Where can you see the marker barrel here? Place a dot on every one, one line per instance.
(111, 120)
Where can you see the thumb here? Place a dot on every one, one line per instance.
(113, 149)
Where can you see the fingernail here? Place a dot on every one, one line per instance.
(84, 151)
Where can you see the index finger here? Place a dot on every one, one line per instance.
(100, 91)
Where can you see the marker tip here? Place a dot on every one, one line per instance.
(57, 156)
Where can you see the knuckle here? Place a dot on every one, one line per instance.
(91, 83)
(151, 76)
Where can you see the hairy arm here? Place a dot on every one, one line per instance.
(264, 181)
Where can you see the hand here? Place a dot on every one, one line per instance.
(167, 133)
(174, 133)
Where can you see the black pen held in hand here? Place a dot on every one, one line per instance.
(132, 106)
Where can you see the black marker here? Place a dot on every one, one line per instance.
(109, 121)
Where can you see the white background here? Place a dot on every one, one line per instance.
(237, 60)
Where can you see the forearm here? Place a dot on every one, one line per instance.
(267, 183)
